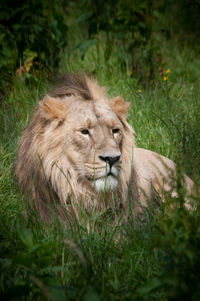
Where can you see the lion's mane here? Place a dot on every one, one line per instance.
(44, 171)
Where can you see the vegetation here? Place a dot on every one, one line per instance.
(32, 35)
(158, 260)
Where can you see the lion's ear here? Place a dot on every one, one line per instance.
(119, 106)
(52, 108)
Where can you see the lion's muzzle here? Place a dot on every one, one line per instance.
(108, 178)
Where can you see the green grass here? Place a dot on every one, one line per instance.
(158, 261)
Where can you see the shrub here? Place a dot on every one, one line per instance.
(32, 33)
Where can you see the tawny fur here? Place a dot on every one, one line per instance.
(57, 162)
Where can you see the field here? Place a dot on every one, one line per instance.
(159, 260)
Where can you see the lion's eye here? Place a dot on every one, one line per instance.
(85, 132)
(115, 131)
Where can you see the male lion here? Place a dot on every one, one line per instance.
(78, 150)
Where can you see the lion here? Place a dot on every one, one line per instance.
(79, 150)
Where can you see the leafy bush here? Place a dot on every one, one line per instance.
(125, 28)
(176, 239)
(31, 33)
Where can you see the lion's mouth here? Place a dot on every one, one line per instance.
(95, 178)
(104, 182)
(110, 174)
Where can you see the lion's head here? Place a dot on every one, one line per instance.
(76, 146)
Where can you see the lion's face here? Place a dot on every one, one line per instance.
(92, 143)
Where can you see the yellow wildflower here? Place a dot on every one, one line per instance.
(139, 91)
(165, 78)
(167, 71)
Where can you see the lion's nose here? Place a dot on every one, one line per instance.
(110, 160)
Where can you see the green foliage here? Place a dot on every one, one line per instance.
(126, 28)
(32, 34)
(131, 31)
(176, 237)
(61, 263)
(31, 266)
(187, 17)
(8, 53)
